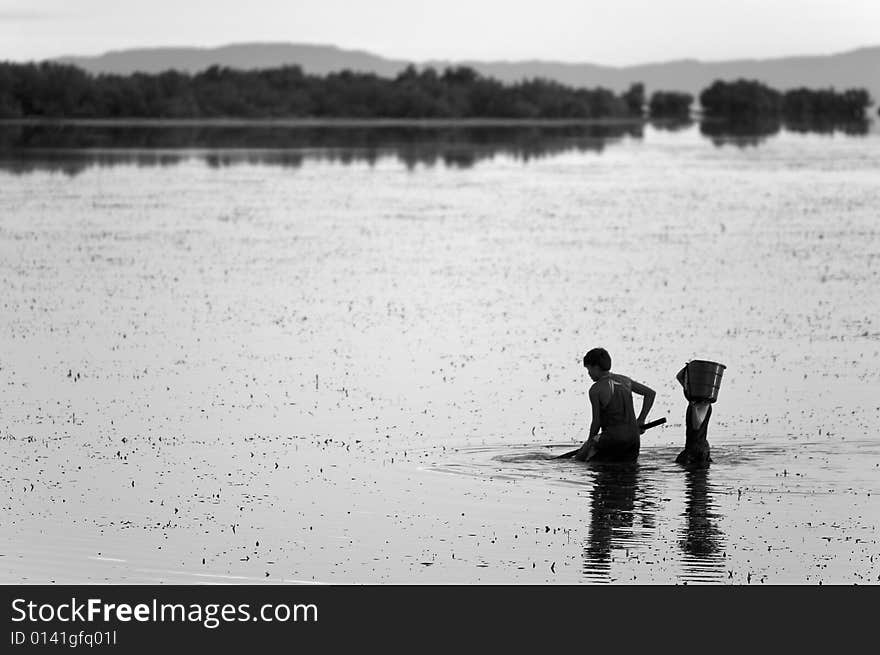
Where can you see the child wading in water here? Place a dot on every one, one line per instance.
(696, 419)
(614, 429)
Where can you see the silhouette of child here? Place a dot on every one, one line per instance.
(615, 429)
(696, 418)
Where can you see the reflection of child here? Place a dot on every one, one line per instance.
(696, 446)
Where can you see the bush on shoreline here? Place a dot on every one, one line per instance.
(670, 104)
(751, 100)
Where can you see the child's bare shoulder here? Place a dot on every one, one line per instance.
(601, 390)
(596, 390)
(621, 379)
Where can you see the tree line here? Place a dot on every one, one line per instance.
(51, 90)
(751, 100)
(55, 90)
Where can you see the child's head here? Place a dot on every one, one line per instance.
(597, 361)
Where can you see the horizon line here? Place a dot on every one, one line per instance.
(430, 61)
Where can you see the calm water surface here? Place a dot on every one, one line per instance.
(349, 356)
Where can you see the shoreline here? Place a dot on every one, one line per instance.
(325, 122)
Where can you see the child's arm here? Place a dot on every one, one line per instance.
(681, 376)
(589, 445)
(648, 395)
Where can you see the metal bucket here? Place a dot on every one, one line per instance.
(703, 380)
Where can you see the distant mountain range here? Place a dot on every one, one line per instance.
(857, 68)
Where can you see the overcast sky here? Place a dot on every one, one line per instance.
(615, 32)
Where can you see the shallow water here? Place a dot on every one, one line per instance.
(218, 365)
(753, 515)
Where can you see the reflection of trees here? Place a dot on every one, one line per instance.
(73, 163)
(72, 148)
(753, 132)
(618, 498)
(528, 137)
(671, 124)
(742, 133)
(700, 538)
(828, 126)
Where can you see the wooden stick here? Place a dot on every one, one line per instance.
(646, 426)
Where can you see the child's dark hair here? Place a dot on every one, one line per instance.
(598, 357)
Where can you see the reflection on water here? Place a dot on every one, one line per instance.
(742, 134)
(672, 124)
(700, 539)
(441, 311)
(639, 515)
(74, 148)
(621, 515)
(623, 512)
(756, 131)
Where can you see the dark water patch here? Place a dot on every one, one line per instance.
(701, 540)
(622, 507)
(829, 126)
(740, 133)
(754, 132)
(672, 124)
(71, 148)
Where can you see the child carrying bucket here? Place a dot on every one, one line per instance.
(700, 381)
